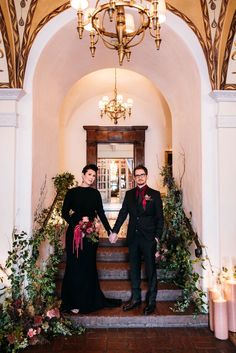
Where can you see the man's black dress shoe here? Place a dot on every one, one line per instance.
(131, 305)
(149, 309)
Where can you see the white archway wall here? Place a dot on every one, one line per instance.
(180, 51)
(149, 108)
(172, 78)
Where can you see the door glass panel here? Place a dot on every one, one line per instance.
(115, 167)
(114, 178)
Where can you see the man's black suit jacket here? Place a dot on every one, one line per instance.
(148, 221)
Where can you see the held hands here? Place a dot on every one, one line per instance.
(113, 237)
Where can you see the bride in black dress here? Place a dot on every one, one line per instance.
(81, 291)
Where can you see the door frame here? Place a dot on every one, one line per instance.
(115, 134)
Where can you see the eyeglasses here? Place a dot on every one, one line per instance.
(140, 175)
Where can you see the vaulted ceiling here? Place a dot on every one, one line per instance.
(212, 21)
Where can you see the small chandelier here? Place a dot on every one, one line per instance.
(121, 24)
(115, 108)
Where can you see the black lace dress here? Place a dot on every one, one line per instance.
(80, 287)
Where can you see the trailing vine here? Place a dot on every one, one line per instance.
(30, 312)
(173, 249)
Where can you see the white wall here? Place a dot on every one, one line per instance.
(8, 127)
(226, 126)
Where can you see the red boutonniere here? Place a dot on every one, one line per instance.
(145, 199)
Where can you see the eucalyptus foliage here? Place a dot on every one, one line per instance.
(174, 248)
(30, 312)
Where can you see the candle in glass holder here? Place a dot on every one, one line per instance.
(230, 294)
(220, 318)
(213, 293)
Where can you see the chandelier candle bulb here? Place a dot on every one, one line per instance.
(220, 319)
(161, 8)
(79, 4)
(230, 293)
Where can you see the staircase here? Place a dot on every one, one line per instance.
(113, 271)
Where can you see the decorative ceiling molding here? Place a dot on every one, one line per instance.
(21, 11)
(199, 36)
(16, 35)
(11, 94)
(223, 96)
(231, 72)
(6, 44)
(214, 10)
(209, 52)
(216, 45)
(228, 56)
(4, 77)
(8, 119)
(27, 46)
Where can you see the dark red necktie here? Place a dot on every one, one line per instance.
(140, 195)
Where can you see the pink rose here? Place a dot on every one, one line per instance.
(31, 333)
(90, 230)
(53, 313)
(85, 219)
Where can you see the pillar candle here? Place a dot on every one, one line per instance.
(230, 294)
(220, 319)
(213, 294)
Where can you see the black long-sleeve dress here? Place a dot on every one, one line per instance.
(80, 287)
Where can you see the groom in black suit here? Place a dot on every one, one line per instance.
(144, 207)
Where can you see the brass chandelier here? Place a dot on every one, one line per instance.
(115, 108)
(120, 24)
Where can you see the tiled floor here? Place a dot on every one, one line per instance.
(156, 340)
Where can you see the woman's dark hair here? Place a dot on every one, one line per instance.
(90, 166)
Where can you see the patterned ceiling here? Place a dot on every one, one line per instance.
(213, 22)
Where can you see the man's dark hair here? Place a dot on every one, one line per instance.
(140, 166)
(90, 166)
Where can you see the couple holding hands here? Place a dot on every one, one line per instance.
(81, 291)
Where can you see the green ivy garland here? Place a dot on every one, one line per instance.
(173, 249)
(30, 312)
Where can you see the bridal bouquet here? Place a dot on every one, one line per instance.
(90, 229)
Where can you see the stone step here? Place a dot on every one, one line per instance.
(118, 271)
(117, 318)
(105, 242)
(122, 290)
(109, 254)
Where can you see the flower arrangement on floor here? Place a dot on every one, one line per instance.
(30, 312)
(173, 249)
